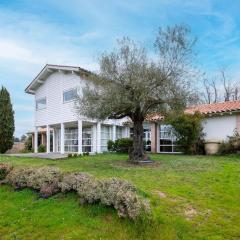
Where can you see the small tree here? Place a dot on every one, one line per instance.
(23, 138)
(188, 130)
(6, 121)
(28, 143)
(132, 84)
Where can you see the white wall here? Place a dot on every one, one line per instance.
(219, 127)
(57, 111)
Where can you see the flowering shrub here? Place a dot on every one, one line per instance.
(18, 177)
(111, 187)
(122, 195)
(4, 170)
(114, 192)
(45, 180)
(72, 181)
(87, 187)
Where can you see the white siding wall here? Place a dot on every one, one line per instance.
(57, 111)
(219, 127)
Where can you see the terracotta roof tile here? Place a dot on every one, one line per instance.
(213, 108)
(154, 117)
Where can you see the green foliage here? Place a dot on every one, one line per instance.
(41, 148)
(4, 170)
(111, 146)
(232, 145)
(122, 145)
(206, 183)
(48, 181)
(72, 181)
(18, 177)
(132, 83)
(188, 129)
(114, 192)
(6, 121)
(28, 144)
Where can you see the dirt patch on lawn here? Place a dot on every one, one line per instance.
(159, 194)
(127, 164)
(190, 212)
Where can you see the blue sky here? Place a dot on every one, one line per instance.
(75, 32)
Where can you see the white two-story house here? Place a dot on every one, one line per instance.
(63, 130)
(55, 89)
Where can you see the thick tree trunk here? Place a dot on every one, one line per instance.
(137, 153)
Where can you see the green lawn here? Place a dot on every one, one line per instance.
(192, 197)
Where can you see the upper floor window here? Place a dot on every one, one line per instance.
(41, 104)
(70, 95)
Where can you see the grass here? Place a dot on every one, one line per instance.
(192, 197)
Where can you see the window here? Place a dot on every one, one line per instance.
(168, 141)
(147, 138)
(71, 140)
(87, 139)
(119, 132)
(105, 137)
(41, 104)
(70, 95)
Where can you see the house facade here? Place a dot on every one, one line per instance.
(61, 129)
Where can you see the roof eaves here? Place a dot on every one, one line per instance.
(55, 67)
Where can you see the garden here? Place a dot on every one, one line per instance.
(190, 197)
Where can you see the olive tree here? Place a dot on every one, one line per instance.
(133, 82)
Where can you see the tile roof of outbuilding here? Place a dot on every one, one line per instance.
(214, 108)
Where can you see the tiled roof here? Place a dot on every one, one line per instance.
(154, 117)
(213, 108)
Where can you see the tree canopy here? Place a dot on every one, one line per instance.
(133, 82)
(6, 121)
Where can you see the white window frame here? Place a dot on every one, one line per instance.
(109, 137)
(68, 90)
(69, 136)
(172, 138)
(87, 130)
(38, 100)
(119, 132)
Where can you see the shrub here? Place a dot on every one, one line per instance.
(123, 145)
(28, 144)
(123, 197)
(4, 170)
(86, 154)
(89, 190)
(18, 177)
(70, 155)
(129, 204)
(71, 181)
(232, 145)
(111, 187)
(41, 148)
(111, 146)
(114, 192)
(188, 129)
(45, 179)
(75, 155)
